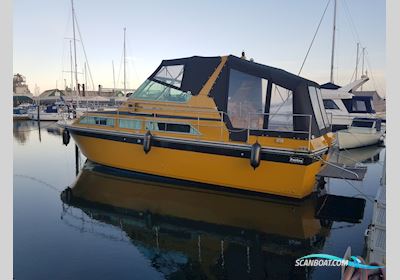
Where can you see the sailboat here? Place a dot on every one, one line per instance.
(340, 102)
(344, 106)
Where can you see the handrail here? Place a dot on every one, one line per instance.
(198, 112)
(291, 115)
(337, 166)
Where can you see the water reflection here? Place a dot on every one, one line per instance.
(22, 129)
(368, 154)
(55, 130)
(187, 232)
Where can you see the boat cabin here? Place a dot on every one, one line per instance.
(250, 98)
(51, 109)
(343, 105)
(355, 104)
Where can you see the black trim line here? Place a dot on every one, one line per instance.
(224, 151)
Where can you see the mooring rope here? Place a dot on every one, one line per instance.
(346, 180)
(54, 188)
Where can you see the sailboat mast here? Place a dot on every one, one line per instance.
(358, 49)
(72, 72)
(363, 55)
(362, 69)
(113, 74)
(124, 62)
(333, 41)
(73, 31)
(85, 70)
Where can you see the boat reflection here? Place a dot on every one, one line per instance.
(22, 129)
(367, 154)
(54, 130)
(187, 232)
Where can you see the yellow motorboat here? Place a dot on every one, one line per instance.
(222, 120)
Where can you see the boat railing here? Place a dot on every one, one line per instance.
(253, 122)
(246, 125)
(281, 123)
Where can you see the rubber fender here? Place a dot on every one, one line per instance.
(147, 142)
(66, 137)
(66, 195)
(255, 155)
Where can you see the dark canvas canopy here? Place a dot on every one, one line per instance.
(252, 82)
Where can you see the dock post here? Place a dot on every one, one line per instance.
(76, 160)
(38, 119)
(38, 114)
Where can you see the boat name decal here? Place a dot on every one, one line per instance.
(296, 160)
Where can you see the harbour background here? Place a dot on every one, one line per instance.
(43, 237)
(392, 59)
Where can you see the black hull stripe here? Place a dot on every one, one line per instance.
(228, 151)
(122, 113)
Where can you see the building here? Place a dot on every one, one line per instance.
(21, 92)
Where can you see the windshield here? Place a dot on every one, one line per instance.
(152, 90)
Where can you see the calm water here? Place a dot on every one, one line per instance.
(113, 225)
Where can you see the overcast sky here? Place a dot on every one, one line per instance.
(274, 32)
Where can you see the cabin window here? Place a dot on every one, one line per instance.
(131, 124)
(359, 106)
(246, 100)
(97, 121)
(171, 75)
(152, 90)
(281, 109)
(362, 123)
(330, 104)
(171, 127)
(372, 106)
(316, 101)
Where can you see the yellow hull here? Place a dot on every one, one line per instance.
(277, 178)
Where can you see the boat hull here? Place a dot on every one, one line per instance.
(272, 176)
(46, 117)
(349, 140)
(20, 117)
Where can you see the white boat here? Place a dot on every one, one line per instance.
(344, 106)
(340, 103)
(20, 113)
(362, 132)
(79, 111)
(51, 113)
